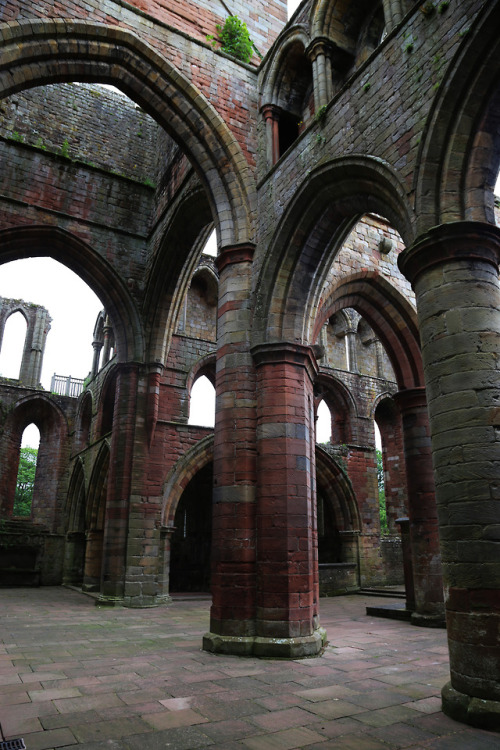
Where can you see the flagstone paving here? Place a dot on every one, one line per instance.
(73, 674)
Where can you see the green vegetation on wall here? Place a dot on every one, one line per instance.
(234, 39)
(384, 527)
(25, 481)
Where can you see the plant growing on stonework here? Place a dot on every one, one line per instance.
(234, 39)
(384, 527)
(65, 149)
(320, 115)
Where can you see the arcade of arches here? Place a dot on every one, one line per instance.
(348, 171)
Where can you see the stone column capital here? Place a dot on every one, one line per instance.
(459, 240)
(284, 352)
(319, 46)
(270, 112)
(235, 254)
(340, 57)
(411, 399)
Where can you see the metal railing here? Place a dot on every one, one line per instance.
(66, 385)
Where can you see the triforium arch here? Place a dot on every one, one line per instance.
(348, 24)
(311, 232)
(460, 154)
(39, 52)
(390, 315)
(91, 267)
(341, 404)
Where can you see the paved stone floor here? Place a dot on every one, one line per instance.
(120, 679)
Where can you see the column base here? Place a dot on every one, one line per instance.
(109, 601)
(278, 648)
(428, 621)
(477, 712)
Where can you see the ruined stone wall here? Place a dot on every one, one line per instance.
(84, 122)
(228, 84)
(357, 122)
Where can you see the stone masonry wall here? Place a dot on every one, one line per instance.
(227, 83)
(356, 121)
(89, 123)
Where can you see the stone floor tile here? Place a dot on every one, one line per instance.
(87, 702)
(185, 738)
(14, 727)
(50, 695)
(325, 693)
(11, 699)
(52, 738)
(335, 709)
(400, 735)
(287, 718)
(166, 719)
(229, 730)
(288, 739)
(385, 716)
(426, 705)
(116, 729)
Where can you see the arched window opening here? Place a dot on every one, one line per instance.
(202, 403)
(323, 424)
(12, 346)
(25, 484)
(384, 526)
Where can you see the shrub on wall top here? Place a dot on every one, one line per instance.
(234, 39)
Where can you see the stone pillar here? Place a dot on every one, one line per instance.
(106, 351)
(271, 118)
(93, 560)
(454, 272)
(351, 345)
(319, 54)
(97, 346)
(422, 509)
(232, 616)
(166, 533)
(287, 560)
(393, 13)
(119, 485)
(34, 347)
(404, 524)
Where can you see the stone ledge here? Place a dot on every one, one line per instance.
(279, 648)
(478, 712)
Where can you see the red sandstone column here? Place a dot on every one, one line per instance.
(232, 616)
(422, 509)
(271, 117)
(287, 606)
(454, 272)
(119, 485)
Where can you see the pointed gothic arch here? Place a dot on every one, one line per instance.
(37, 52)
(311, 232)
